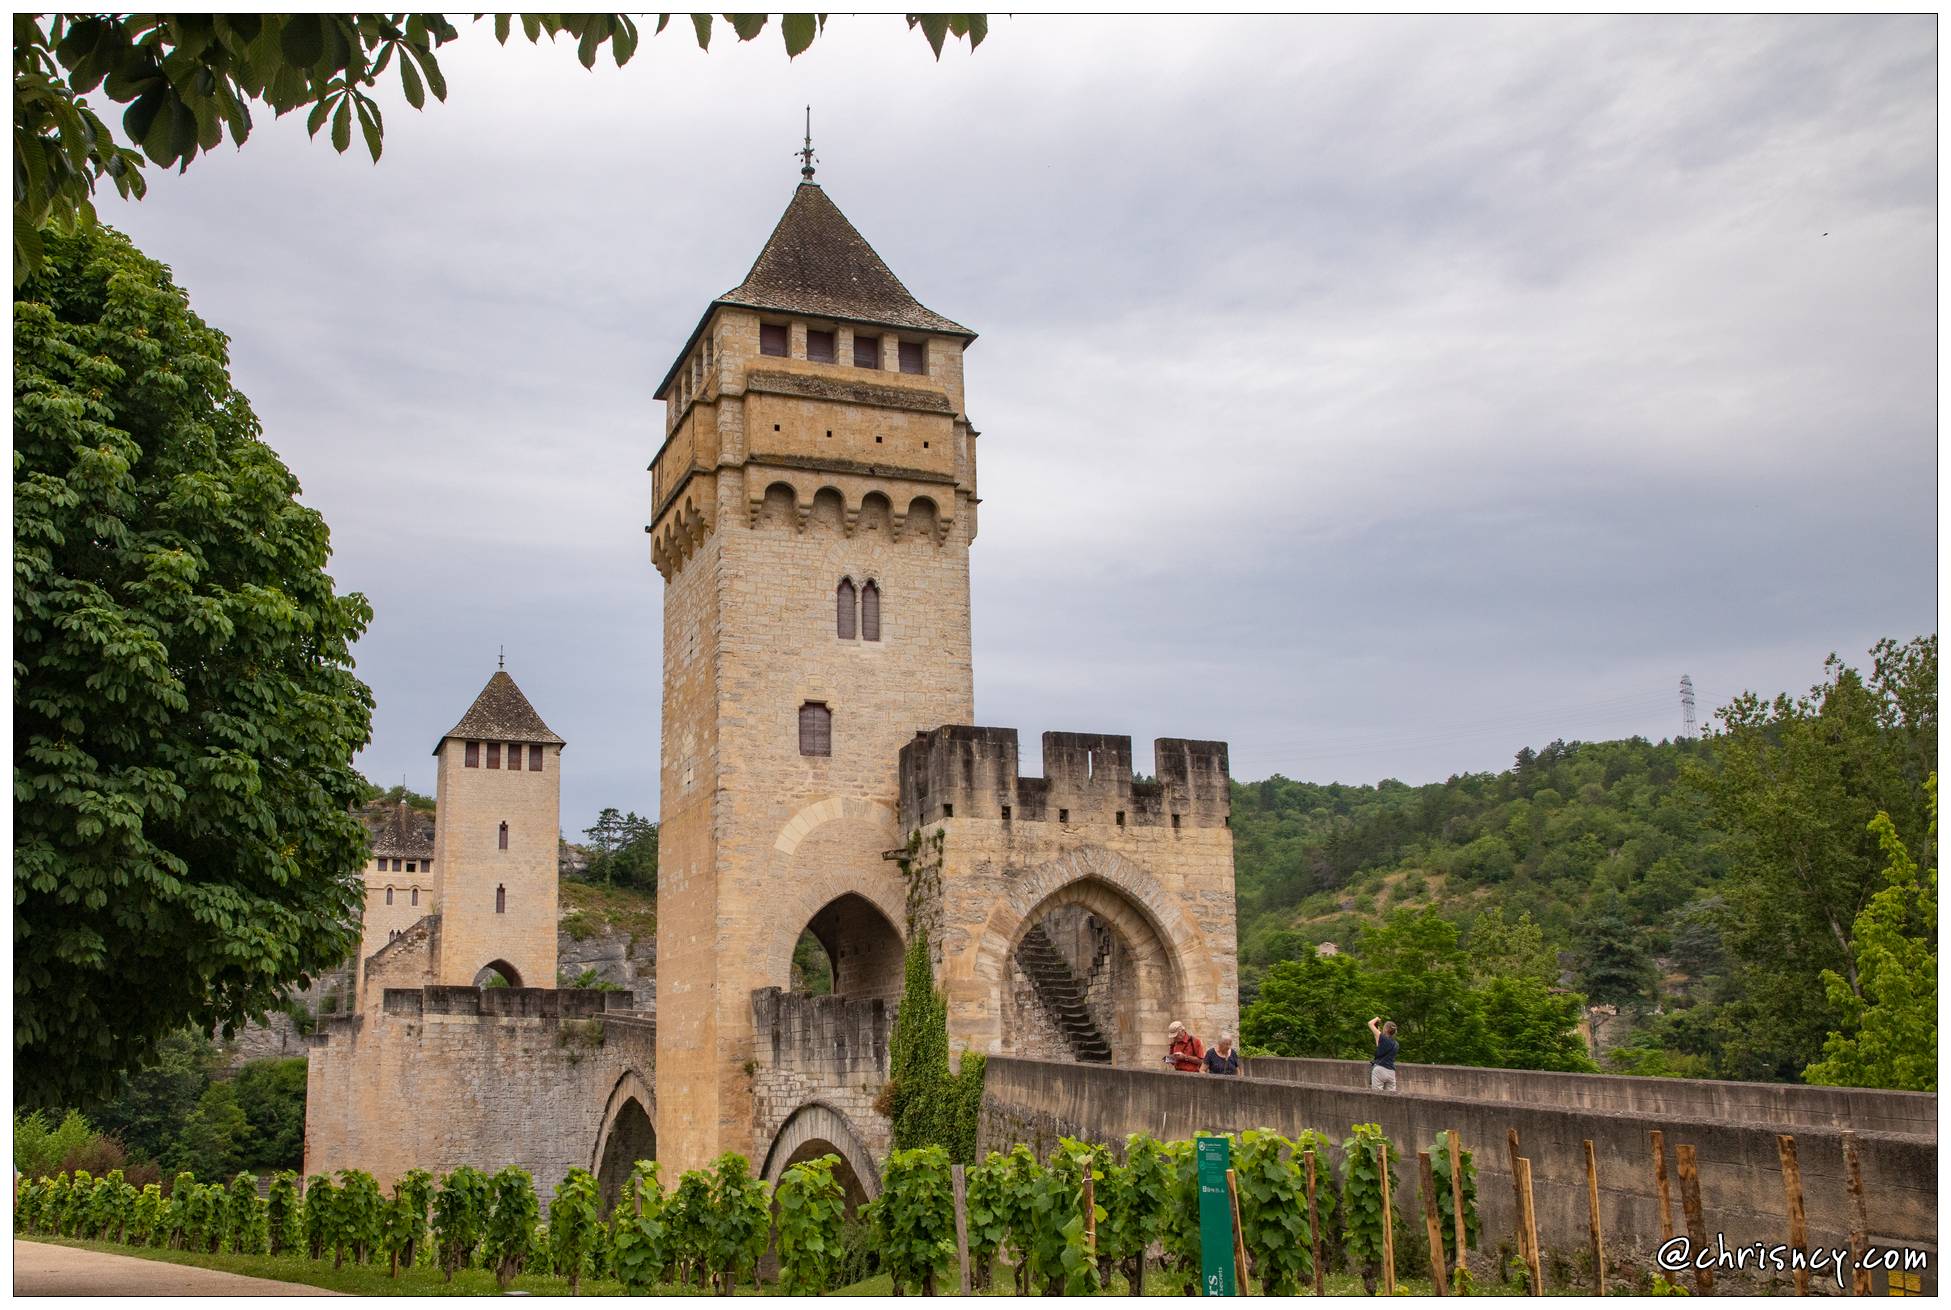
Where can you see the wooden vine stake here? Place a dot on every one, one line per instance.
(1517, 1202)
(1388, 1223)
(961, 1182)
(1314, 1228)
(1239, 1238)
(1527, 1217)
(1690, 1202)
(1798, 1224)
(1592, 1209)
(1433, 1224)
(1456, 1203)
(1859, 1216)
(1659, 1182)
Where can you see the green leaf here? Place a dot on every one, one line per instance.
(798, 30)
(302, 39)
(747, 25)
(342, 124)
(369, 125)
(501, 29)
(416, 93)
(935, 28)
(701, 24)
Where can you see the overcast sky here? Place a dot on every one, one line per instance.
(1379, 395)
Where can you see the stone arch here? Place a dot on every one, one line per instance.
(829, 850)
(1169, 960)
(502, 967)
(817, 1129)
(829, 509)
(876, 514)
(863, 946)
(778, 508)
(923, 519)
(628, 1134)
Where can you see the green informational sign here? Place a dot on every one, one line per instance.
(1215, 1218)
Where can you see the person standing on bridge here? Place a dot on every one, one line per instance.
(1222, 1058)
(1187, 1056)
(1382, 1065)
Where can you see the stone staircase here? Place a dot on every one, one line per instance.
(1062, 996)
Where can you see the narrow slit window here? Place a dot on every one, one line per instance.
(501, 899)
(1005, 814)
(871, 612)
(1121, 818)
(416, 895)
(772, 339)
(844, 607)
(815, 729)
(535, 759)
(494, 754)
(472, 756)
(1063, 816)
(867, 351)
(913, 358)
(504, 834)
(819, 346)
(389, 895)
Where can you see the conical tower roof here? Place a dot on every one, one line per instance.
(818, 264)
(502, 713)
(399, 830)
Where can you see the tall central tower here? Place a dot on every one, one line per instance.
(813, 505)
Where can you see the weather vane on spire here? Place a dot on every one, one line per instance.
(805, 152)
(501, 657)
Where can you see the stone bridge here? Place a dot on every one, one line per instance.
(1732, 1126)
(819, 1065)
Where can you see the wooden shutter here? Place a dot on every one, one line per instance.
(772, 339)
(815, 729)
(843, 605)
(494, 754)
(473, 760)
(867, 351)
(535, 759)
(819, 346)
(912, 358)
(870, 612)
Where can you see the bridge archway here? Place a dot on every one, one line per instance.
(488, 973)
(1088, 943)
(817, 1129)
(863, 949)
(628, 1134)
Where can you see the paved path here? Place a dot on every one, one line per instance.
(44, 1270)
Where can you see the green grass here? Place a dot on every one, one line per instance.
(372, 1280)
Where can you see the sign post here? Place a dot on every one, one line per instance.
(1215, 1217)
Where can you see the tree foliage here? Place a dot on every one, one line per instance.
(185, 712)
(811, 1206)
(190, 82)
(1888, 1034)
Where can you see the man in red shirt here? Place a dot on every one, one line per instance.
(1187, 1056)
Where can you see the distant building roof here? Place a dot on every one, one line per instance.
(817, 263)
(501, 713)
(400, 830)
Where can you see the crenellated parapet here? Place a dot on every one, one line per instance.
(961, 772)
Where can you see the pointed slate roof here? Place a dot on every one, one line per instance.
(817, 263)
(501, 713)
(399, 830)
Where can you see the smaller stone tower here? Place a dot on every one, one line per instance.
(497, 824)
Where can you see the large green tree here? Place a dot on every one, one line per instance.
(189, 82)
(1796, 785)
(185, 711)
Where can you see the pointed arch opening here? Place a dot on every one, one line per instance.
(845, 608)
(870, 611)
(497, 973)
(849, 949)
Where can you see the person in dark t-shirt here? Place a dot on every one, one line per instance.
(1221, 1058)
(1382, 1066)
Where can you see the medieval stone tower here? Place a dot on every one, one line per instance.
(814, 501)
(499, 789)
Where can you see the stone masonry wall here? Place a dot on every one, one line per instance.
(820, 1049)
(471, 865)
(436, 1077)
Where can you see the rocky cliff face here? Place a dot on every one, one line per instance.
(618, 957)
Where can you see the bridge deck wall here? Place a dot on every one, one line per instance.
(1740, 1174)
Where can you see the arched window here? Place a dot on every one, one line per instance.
(504, 834)
(870, 612)
(501, 899)
(416, 895)
(843, 603)
(815, 729)
(389, 895)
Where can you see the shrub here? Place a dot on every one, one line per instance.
(1361, 1198)
(360, 1214)
(640, 1238)
(403, 1223)
(1439, 1160)
(461, 1217)
(245, 1226)
(284, 1220)
(690, 1226)
(1273, 1211)
(321, 1225)
(740, 1220)
(575, 1219)
(146, 1227)
(509, 1241)
(989, 1207)
(811, 1206)
(1134, 1196)
(914, 1218)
